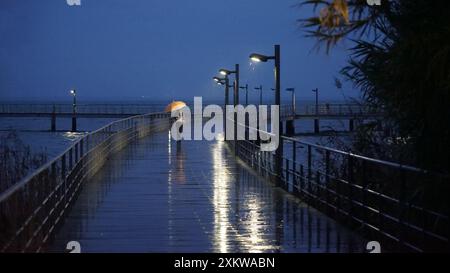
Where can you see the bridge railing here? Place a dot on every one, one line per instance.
(328, 109)
(405, 207)
(31, 209)
(134, 109)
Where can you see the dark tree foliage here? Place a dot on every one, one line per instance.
(401, 62)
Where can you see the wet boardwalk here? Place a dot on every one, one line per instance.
(158, 195)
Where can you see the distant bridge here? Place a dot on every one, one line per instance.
(325, 111)
(53, 111)
(82, 110)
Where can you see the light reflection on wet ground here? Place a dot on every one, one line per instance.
(192, 196)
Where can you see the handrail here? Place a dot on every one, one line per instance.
(5, 194)
(31, 208)
(388, 201)
(374, 160)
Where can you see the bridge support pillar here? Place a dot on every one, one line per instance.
(74, 123)
(316, 126)
(351, 125)
(290, 127)
(53, 120)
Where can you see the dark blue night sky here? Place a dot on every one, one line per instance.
(156, 49)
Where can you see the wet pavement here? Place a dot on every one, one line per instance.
(158, 195)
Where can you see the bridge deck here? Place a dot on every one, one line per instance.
(161, 196)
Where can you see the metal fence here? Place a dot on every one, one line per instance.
(31, 209)
(405, 207)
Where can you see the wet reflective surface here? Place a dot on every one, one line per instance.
(158, 195)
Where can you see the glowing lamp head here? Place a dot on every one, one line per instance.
(73, 92)
(255, 59)
(225, 72)
(259, 58)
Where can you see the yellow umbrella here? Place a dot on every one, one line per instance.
(174, 106)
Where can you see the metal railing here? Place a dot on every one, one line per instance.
(405, 207)
(330, 110)
(31, 209)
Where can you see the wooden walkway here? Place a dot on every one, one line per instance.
(158, 195)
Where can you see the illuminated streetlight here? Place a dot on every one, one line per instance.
(227, 72)
(224, 81)
(260, 58)
(256, 57)
(73, 92)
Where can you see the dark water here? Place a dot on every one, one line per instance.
(158, 195)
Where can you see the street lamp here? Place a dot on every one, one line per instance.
(261, 58)
(246, 93)
(73, 93)
(227, 72)
(224, 81)
(256, 57)
(260, 93)
(291, 89)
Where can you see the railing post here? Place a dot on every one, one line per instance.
(76, 152)
(350, 184)
(81, 148)
(70, 159)
(286, 182)
(294, 160)
(302, 179)
(309, 169)
(364, 185)
(63, 167)
(401, 203)
(327, 179)
(318, 188)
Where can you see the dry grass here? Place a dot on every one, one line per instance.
(17, 160)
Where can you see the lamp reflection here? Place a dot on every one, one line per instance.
(248, 229)
(221, 181)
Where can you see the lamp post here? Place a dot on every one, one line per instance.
(226, 82)
(260, 93)
(226, 72)
(246, 93)
(73, 92)
(316, 120)
(276, 57)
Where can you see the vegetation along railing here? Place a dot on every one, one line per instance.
(404, 207)
(31, 209)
